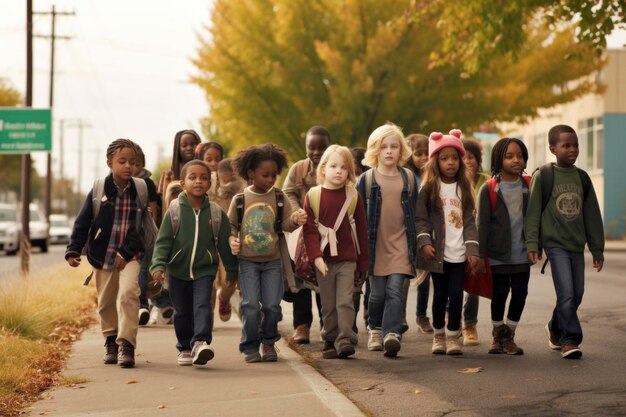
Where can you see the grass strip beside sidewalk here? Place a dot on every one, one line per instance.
(40, 317)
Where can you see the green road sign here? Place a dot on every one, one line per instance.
(25, 130)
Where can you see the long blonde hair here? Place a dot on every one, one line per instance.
(432, 176)
(375, 140)
(345, 154)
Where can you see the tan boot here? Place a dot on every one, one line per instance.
(508, 342)
(301, 335)
(496, 345)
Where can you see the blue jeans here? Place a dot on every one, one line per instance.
(568, 275)
(423, 291)
(385, 306)
(470, 310)
(261, 285)
(192, 310)
(448, 287)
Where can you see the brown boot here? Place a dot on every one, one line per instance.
(126, 355)
(301, 335)
(508, 343)
(110, 357)
(496, 345)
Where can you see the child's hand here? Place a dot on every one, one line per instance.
(473, 262)
(480, 265)
(73, 261)
(598, 264)
(158, 276)
(235, 245)
(228, 284)
(429, 251)
(321, 265)
(120, 262)
(299, 217)
(359, 278)
(534, 257)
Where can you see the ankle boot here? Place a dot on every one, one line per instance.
(110, 357)
(508, 342)
(496, 345)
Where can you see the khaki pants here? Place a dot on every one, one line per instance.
(337, 307)
(118, 302)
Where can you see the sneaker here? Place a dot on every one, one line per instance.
(375, 340)
(329, 351)
(110, 357)
(201, 353)
(553, 339)
(166, 315)
(571, 351)
(454, 346)
(301, 334)
(496, 344)
(470, 336)
(252, 357)
(345, 351)
(391, 344)
(144, 316)
(423, 324)
(508, 342)
(154, 315)
(126, 355)
(184, 358)
(405, 327)
(269, 353)
(224, 309)
(439, 344)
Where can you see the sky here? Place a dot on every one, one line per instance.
(125, 73)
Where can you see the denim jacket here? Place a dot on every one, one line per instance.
(408, 199)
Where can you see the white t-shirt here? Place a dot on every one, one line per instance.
(454, 250)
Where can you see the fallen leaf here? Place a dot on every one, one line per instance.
(371, 387)
(470, 370)
(510, 397)
(161, 406)
(132, 381)
(417, 392)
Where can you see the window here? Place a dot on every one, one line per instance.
(590, 136)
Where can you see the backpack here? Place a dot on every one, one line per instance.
(301, 171)
(145, 222)
(368, 181)
(216, 218)
(280, 204)
(491, 184)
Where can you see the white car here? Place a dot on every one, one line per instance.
(60, 228)
(11, 226)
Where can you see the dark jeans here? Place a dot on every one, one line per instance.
(448, 286)
(423, 291)
(303, 307)
(518, 285)
(568, 275)
(192, 310)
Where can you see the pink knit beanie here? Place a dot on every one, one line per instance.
(438, 140)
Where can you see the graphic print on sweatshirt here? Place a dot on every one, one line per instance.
(567, 198)
(257, 226)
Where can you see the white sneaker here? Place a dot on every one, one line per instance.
(165, 315)
(375, 341)
(392, 344)
(184, 358)
(201, 353)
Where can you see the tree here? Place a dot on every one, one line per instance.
(273, 68)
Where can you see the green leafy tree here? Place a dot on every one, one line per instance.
(273, 68)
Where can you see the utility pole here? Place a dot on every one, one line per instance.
(53, 37)
(81, 125)
(25, 188)
(61, 172)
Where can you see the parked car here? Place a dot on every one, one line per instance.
(11, 226)
(60, 229)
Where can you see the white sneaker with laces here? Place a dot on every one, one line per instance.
(201, 353)
(392, 344)
(184, 358)
(375, 340)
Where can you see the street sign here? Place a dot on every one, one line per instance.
(25, 130)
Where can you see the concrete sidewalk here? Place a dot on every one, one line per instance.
(226, 386)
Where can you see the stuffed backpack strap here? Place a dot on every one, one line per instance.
(491, 184)
(328, 235)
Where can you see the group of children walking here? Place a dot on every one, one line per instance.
(421, 206)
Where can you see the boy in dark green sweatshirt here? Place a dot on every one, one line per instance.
(570, 219)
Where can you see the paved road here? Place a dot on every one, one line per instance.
(540, 383)
(39, 262)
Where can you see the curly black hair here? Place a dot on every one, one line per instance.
(251, 157)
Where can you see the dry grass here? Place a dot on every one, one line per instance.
(39, 319)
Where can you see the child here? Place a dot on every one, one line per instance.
(211, 153)
(358, 153)
(114, 249)
(341, 264)
(190, 256)
(568, 218)
(473, 161)
(419, 157)
(501, 237)
(446, 234)
(300, 178)
(185, 143)
(256, 220)
(229, 184)
(390, 193)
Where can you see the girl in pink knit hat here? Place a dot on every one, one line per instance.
(447, 238)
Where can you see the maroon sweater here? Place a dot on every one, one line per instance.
(331, 202)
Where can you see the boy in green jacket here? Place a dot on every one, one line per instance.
(188, 250)
(562, 224)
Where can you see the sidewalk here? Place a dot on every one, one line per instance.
(226, 386)
(615, 246)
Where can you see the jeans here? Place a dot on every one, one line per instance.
(192, 310)
(518, 285)
(385, 306)
(448, 286)
(470, 310)
(568, 275)
(423, 291)
(261, 285)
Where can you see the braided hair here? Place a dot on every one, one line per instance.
(118, 145)
(499, 151)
